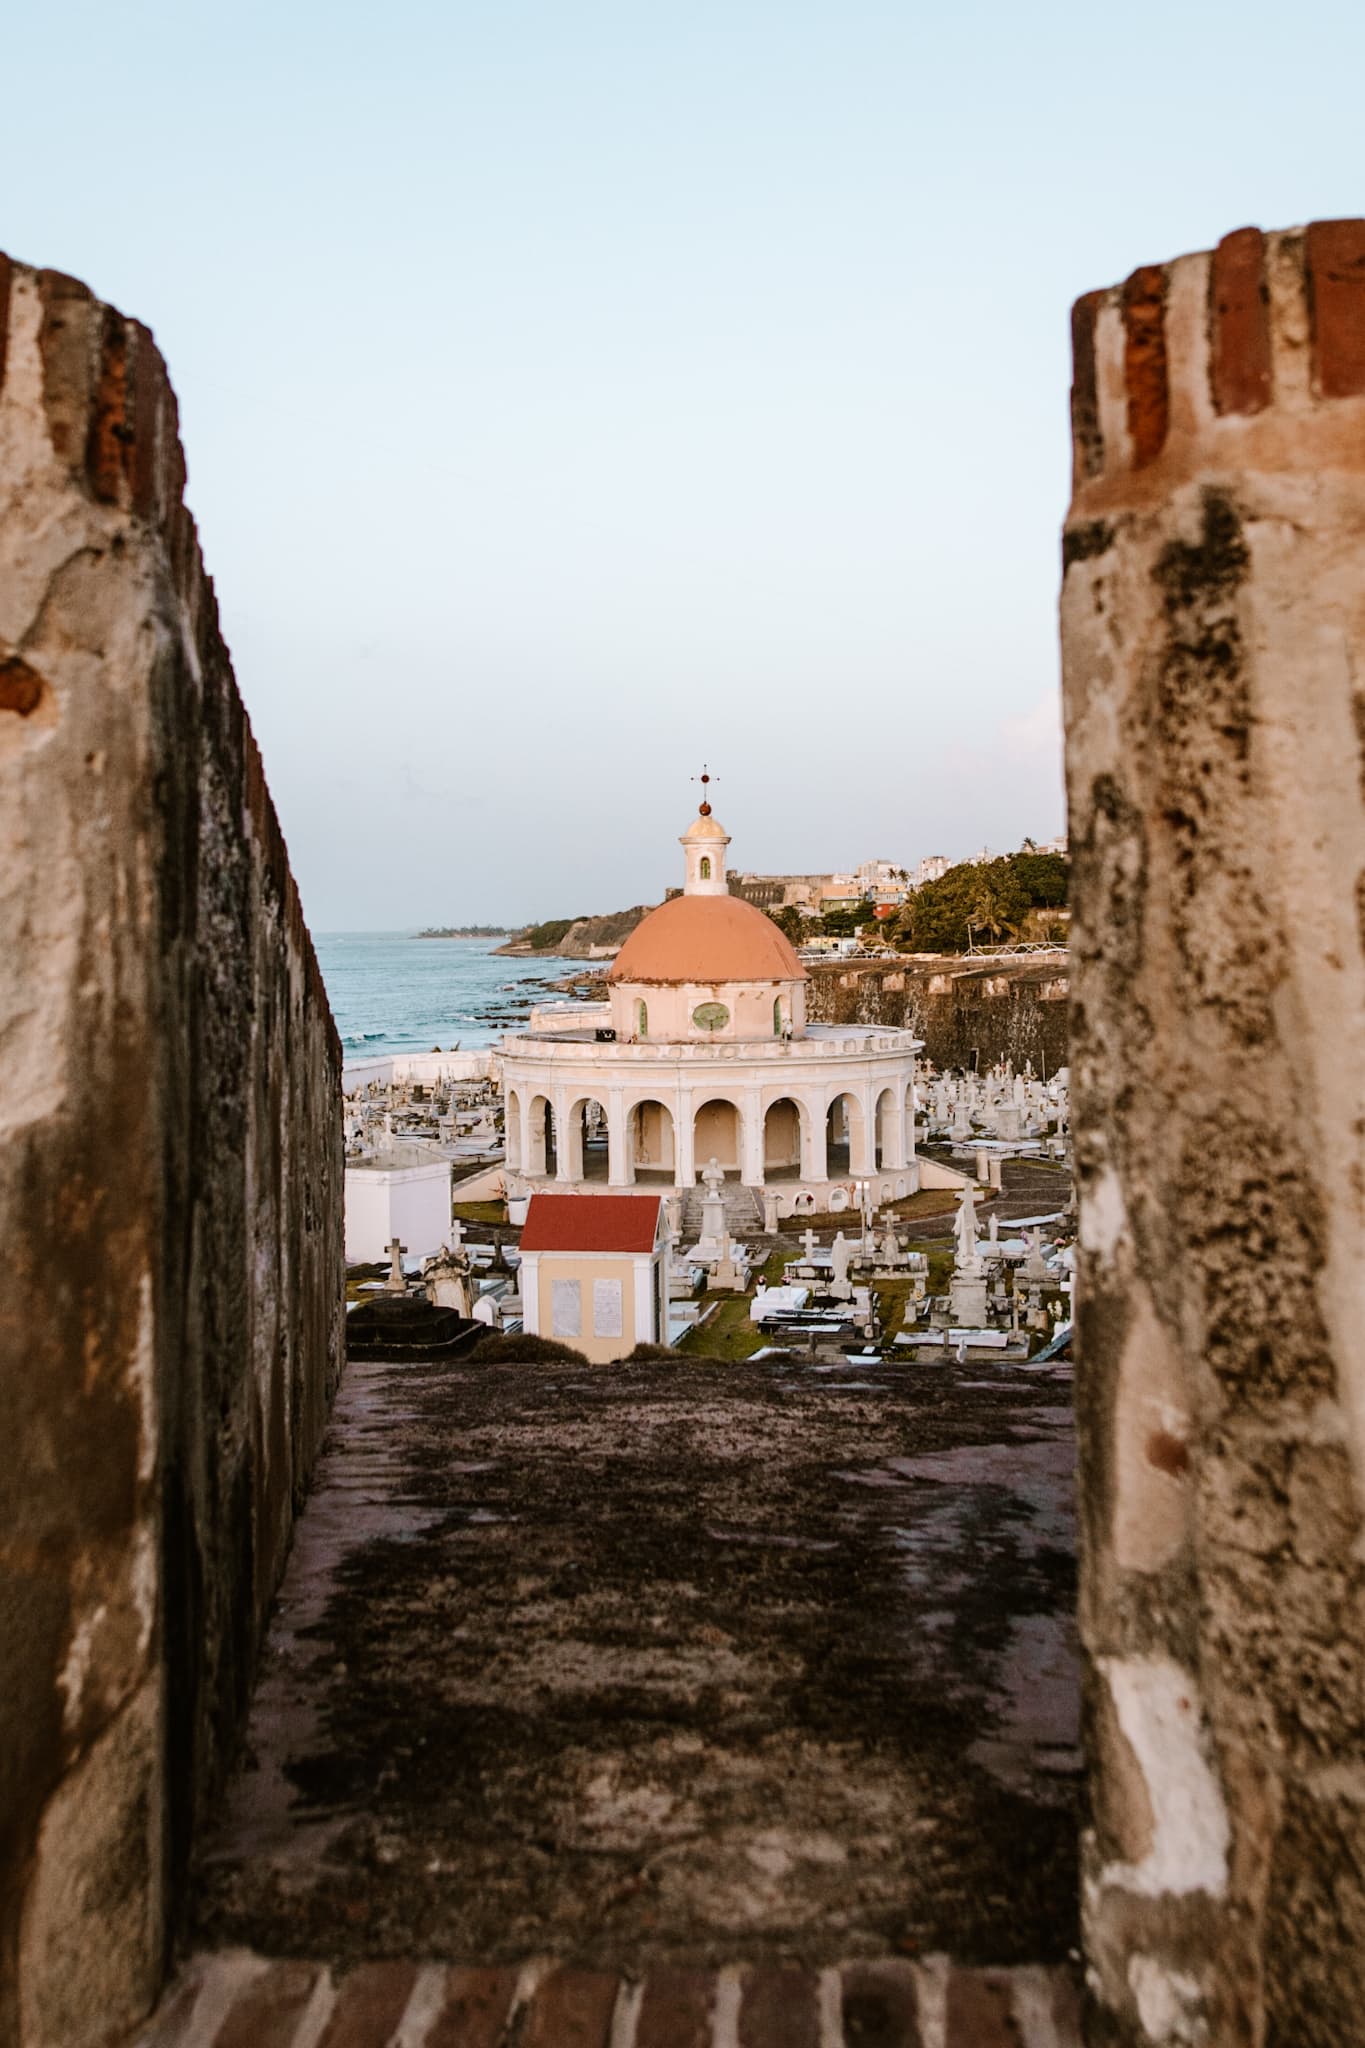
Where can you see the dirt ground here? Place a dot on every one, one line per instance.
(675, 1661)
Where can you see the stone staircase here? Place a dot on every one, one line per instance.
(743, 1211)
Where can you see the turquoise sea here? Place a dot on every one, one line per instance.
(393, 992)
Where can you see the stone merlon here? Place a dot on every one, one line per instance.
(170, 1173)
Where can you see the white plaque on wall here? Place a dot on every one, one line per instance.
(606, 1308)
(566, 1309)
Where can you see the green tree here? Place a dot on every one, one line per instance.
(997, 902)
(985, 901)
(790, 922)
(1043, 878)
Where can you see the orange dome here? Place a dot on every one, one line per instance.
(706, 939)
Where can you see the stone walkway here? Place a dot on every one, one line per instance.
(738, 1695)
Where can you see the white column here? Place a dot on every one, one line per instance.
(565, 1148)
(895, 1131)
(620, 1165)
(684, 1150)
(814, 1156)
(861, 1152)
(751, 1139)
(533, 1136)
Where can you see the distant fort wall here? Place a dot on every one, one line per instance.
(170, 1174)
(969, 1011)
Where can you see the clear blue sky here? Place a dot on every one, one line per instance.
(573, 389)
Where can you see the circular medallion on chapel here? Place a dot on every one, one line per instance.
(710, 1016)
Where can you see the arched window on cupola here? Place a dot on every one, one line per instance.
(705, 869)
(777, 1018)
(641, 1020)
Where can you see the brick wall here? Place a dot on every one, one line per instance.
(170, 1172)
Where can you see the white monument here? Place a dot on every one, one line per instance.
(967, 1289)
(715, 1234)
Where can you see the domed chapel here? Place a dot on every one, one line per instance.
(702, 1051)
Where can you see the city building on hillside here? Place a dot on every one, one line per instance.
(703, 1052)
(594, 1272)
(778, 892)
(880, 880)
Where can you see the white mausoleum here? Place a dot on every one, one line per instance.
(703, 1051)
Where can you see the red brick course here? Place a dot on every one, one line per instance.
(5, 268)
(267, 2013)
(1144, 362)
(981, 2011)
(880, 2006)
(675, 2010)
(1085, 406)
(475, 2011)
(779, 2011)
(371, 2001)
(1239, 323)
(1335, 251)
(64, 345)
(571, 2009)
(108, 441)
(883, 2003)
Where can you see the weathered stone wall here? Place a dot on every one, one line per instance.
(1213, 618)
(969, 1012)
(170, 1173)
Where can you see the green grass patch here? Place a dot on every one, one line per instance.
(927, 1202)
(940, 1262)
(480, 1212)
(727, 1333)
(356, 1274)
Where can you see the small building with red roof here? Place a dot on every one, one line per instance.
(594, 1272)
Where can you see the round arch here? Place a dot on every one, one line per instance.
(785, 1138)
(651, 1140)
(718, 1133)
(512, 1131)
(845, 1136)
(585, 1139)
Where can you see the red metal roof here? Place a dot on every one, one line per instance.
(591, 1223)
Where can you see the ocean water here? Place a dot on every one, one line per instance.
(391, 992)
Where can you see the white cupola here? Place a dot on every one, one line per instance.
(704, 843)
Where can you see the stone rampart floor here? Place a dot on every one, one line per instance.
(670, 1703)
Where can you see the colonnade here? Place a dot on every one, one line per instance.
(876, 1115)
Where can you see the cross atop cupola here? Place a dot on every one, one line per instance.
(703, 844)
